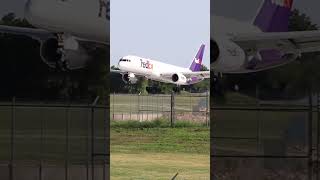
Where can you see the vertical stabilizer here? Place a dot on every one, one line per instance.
(274, 15)
(197, 61)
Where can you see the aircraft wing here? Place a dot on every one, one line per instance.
(116, 71)
(198, 74)
(286, 42)
(37, 34)
(125, 72)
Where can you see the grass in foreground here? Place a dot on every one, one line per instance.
(136, 137)
(159, 152)
(159, 166)
(157, 123)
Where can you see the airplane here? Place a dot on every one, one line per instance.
(239, 47)
(66, 29)
(132, 66)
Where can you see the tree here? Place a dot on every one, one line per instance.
(142, 85)
(203, 85)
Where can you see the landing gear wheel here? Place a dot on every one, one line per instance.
(62, 64)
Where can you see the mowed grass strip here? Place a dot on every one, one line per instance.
(181, 140)
(160, 166)
(159, 152)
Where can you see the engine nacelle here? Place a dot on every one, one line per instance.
(129, 78)
(179, 78)
(75, 59)
(226, 56)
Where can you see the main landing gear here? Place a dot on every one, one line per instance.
(61, 64)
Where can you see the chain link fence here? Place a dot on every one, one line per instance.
(173, 107)
(266, 140)
(47, 141)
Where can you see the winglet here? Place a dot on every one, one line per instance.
(197, 61)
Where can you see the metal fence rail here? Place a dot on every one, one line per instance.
(172, 107)
(54, 141)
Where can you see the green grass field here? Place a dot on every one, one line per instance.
(160, 166)
(159, 153)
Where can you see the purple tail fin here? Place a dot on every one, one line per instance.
(274, 15)
(197, 61)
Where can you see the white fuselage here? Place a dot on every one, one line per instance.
(151, 69)
(79, 18)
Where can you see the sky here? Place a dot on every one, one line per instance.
(169, 31)
(16, 6)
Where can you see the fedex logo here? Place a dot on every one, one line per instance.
(197, 60)
(146, 65)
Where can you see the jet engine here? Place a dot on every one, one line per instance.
(71, 59)
(226, 55)
(129, 78)
(229, 57)
(179, 78)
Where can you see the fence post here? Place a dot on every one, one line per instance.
(318, 133)
(162, 96)
(139, 107)
(172, 109)
(157, 105)
(130, 104)
(105, 146)
(113, 110)
(148, 112)
(12, 138)
(207, 109)
(67, 143)
(258, 119)
(41, 146)
(88, 142)
(190, 98)
(310, 163)
(92, 136)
